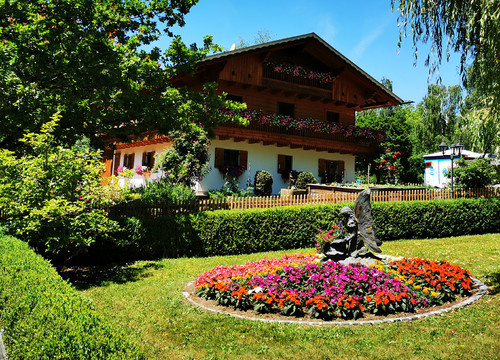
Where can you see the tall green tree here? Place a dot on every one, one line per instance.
(470, 28)
(52, 197)
(479, 128)
(87, 59)
(393, 121)
(437, 120)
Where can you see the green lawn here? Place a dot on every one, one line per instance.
(145, 300)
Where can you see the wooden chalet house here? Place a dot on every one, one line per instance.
(302, 96)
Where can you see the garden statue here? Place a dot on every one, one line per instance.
(358, 235)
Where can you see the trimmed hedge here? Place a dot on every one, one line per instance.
(226, 232)
(45, 318)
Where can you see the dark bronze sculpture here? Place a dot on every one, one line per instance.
(360, 236)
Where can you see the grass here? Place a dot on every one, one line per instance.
(145, 300)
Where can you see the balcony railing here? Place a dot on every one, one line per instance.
(270, 73)
(306, 127)
(302, 133)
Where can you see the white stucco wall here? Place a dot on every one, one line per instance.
(260, 157)
(139, 180)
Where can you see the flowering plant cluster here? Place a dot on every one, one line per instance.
(299, 284)
(326, 237)
(139, 170)
(301, 71)
(306, 124)
(390, 163)
(125, 172)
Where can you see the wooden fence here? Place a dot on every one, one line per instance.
(160, 209)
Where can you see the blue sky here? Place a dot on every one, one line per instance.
(365, 31)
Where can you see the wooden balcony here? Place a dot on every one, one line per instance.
(281, 137)
(269, 73)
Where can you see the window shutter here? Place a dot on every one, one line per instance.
(144, 159)
(341, 170)
(321, 167)
(244, 159)
(107, 159)
(152, 159)
(117, 163)
(219, 158)
(132, 160)
(281, 164)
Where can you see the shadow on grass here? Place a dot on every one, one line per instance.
(493, 283)
(85, 277)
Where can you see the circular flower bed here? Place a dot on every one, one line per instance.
(300, 284)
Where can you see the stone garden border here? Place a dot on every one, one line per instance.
(481, 290)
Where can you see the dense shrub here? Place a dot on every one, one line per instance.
(474, 174)
(263, 183)
(244, 231)
(305, 178)
(163, 191)
(44, 318)
(53, 197)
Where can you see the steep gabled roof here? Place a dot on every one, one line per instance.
(292, 41)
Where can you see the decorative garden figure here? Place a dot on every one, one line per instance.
(360, 237)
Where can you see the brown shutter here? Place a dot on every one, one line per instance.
(144, 159)
(117, 163)
(152, 159)
(341, 170)
(219, 158)
(132, 160)
(244, 159)
(321, 167)
(281, 164)
(107, 159)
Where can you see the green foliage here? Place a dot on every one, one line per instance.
(53, 197)
(160, 191)
(423, 219)
(474, 174)
(479, 127)
(439, 118)
(305, 178)
(225, 232)
(263, 183)
(470, 28)
(186, 162)
(94, 62)
(395, 123)
(262, 37)
(45, 318)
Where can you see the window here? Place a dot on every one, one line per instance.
(128, 161)
(232, 162)
(284, 165)
(331, 171)
(231, 157)
(286, 109)
(332, 117)
(234, 98)
(148, 159)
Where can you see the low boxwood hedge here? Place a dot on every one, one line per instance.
(226, 232)
(45, 318)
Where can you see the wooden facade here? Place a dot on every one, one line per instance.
(248, 74)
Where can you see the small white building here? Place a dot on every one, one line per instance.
(438, 164)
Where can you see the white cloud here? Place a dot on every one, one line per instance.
(326, 30)
(360, 48)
